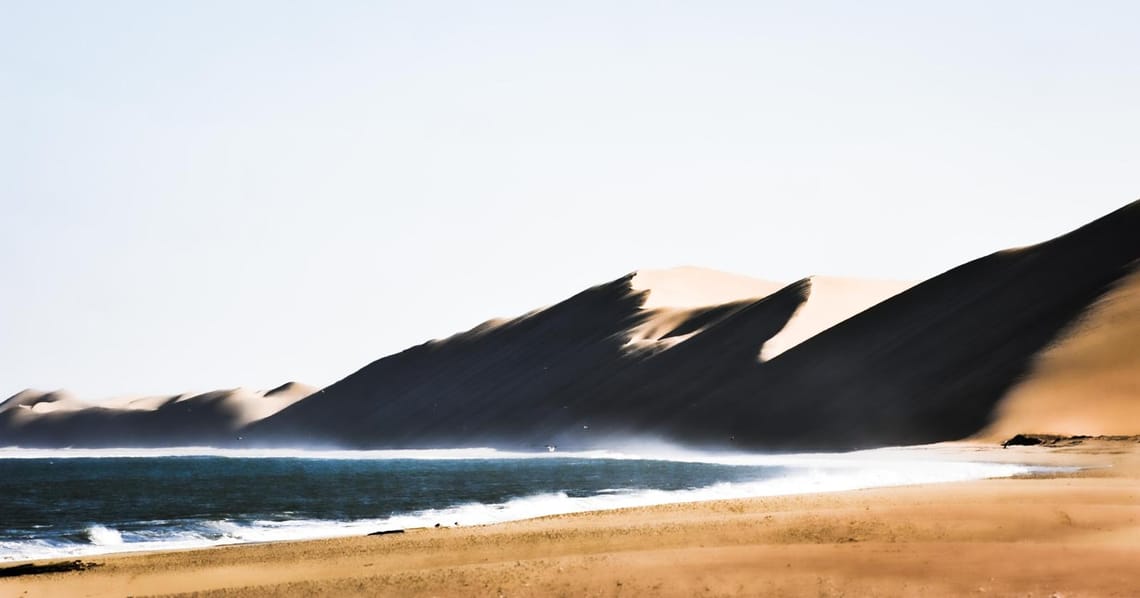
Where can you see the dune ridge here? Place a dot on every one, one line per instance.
(930, 363)
(1009, 342)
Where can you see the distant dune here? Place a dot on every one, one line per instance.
(47, 419)
(1041, 339)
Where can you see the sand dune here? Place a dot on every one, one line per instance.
(936, 361)
(35, 418)
(931, 363)
(1038, 339)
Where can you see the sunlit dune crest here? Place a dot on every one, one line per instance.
(41, 402)
(679, 302)
(689, 286)
(831, 300)
(242, 404)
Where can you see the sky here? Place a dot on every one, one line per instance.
(200, 195)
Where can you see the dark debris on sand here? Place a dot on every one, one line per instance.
(385, 532)
(1060, 440)
(34, 569)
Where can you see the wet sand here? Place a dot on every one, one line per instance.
(1070, 534)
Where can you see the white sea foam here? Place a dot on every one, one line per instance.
(806, 474)
(640, 452)
(104, 536)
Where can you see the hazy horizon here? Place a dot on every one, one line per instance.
(212, 195)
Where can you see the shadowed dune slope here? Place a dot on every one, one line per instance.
(935, 362)
(560, 375)
(932, 363)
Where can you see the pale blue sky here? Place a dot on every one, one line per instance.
(199, 195)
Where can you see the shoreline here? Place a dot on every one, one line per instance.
(814, 473)
(995, 534)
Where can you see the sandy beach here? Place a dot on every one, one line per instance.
(1061, 534)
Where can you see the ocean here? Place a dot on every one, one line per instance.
(67, 503)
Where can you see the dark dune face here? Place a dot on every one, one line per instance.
(933, 363)
(927, 365)
(930, 364)
(564, 375)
